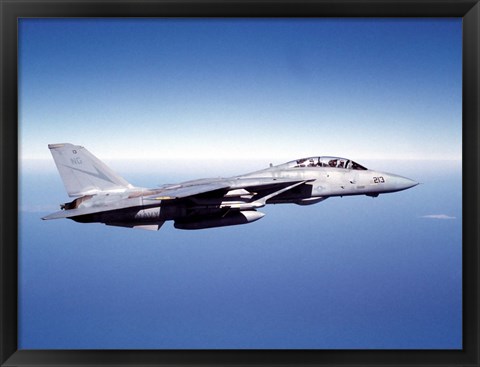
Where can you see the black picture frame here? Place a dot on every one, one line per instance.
(11, 10)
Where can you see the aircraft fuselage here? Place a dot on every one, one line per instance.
(105, 197)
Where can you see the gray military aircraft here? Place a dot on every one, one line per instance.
(105, 197)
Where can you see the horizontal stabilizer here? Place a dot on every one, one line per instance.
(74, 213)
(70, 213)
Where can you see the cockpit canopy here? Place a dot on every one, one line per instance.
(332, 162)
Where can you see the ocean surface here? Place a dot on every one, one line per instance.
(347, 273)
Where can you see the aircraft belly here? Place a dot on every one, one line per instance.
(129, 215)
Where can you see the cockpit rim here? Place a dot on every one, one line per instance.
(325, 162)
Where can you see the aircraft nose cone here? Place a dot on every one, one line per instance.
(404, 183)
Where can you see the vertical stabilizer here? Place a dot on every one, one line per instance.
(83, 173)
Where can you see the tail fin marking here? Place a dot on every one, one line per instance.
(82, 172)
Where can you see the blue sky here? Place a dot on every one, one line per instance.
(164, 100)
(242, 88)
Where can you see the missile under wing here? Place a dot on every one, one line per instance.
(101, 195)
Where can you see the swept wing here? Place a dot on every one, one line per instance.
(189, 190)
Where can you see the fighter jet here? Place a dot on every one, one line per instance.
(103, 196)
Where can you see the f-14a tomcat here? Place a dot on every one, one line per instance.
(105, 197)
